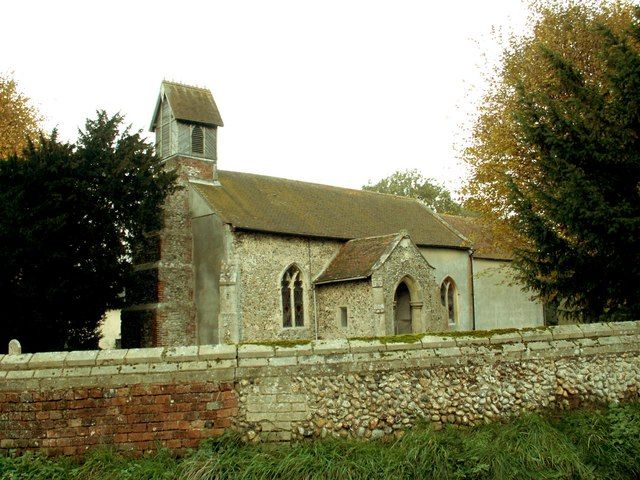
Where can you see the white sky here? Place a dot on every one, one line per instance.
(336, 92)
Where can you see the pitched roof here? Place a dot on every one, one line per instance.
(269, 204)
(484, 242)
(356, 258)
(190, 104)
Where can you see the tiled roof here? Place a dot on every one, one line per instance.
(484, 242)
(356, 258)
(190, 104)
(269, 204)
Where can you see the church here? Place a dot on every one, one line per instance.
(252, 258)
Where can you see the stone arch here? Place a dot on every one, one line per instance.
(407, 306)
(306, 281)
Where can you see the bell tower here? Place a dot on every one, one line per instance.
(186, 121)
(161, 307)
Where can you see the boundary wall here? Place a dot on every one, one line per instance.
(137, 399)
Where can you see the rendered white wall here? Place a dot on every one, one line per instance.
(454, 264)
(499, 302)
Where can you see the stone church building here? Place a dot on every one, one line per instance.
(246, 257)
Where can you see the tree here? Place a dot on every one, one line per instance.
(411, 183)
(70, 218)
(556, 156)
(19, 120)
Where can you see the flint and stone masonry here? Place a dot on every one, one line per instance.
(69, 402)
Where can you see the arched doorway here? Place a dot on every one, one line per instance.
(402, 312)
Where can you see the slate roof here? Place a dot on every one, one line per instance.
(269, 204)
(189, 104)
(484, 242)
(356, 258)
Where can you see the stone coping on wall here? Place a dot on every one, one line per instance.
(235, 362)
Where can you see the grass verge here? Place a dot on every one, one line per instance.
(581, 444)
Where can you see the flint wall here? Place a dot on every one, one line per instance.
(66, 403)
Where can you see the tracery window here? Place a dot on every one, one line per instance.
(449, 298)
(292, 290)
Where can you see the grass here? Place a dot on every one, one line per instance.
(581, 444)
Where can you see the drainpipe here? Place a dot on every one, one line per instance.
(313, 291)
(473, 295)
(315, 312)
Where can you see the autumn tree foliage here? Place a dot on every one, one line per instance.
(556, 156)
(411, 183)
(19, 119)
(71, 216)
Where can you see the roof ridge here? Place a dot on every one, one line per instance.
(359, 190)
(255, 202)
(180, 84)
(388, 250)
(461, 217)
(438, 217)
(393, 235)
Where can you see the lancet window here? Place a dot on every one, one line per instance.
(292, 289)
(449, 298)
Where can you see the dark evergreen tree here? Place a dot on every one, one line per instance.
(580, 215)
(70, 218)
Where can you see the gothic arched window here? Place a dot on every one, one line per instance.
(449, 298)
(292, 290)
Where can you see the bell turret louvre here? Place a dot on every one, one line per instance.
(185, 121)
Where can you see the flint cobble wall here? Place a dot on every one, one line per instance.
(357, 297)
(68, 402)
(262, 260)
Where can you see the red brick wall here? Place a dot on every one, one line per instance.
(134, 418)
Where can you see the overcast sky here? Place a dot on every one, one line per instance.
(336, 92)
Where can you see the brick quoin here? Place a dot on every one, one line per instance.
(133, 419)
